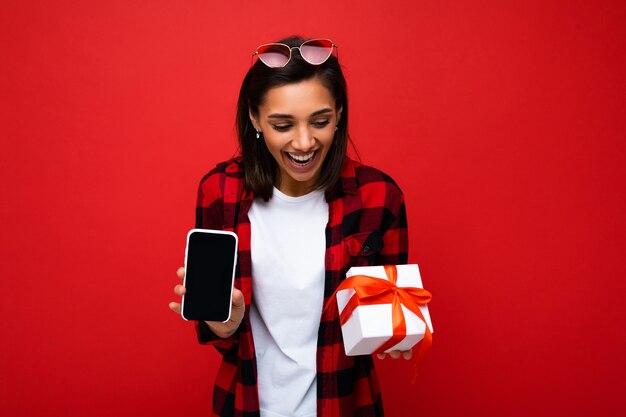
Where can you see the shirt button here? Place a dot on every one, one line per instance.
(366, 248)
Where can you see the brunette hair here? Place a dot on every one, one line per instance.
(260, 168)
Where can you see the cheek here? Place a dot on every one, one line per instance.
(275, 148)
(272, 140)
(329, 137)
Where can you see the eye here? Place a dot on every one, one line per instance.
(321, 123)
(281, 127)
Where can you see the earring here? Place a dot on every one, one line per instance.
(336, 128)
(258, 134)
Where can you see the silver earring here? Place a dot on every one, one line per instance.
(258, 134)
(336, 128)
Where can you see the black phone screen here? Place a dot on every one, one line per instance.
(209, 272)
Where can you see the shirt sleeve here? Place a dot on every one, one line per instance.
(209, 215)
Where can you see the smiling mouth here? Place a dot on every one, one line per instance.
(301, 159)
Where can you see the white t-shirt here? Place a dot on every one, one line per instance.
(287, 247)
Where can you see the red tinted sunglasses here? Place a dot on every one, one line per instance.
(277, 55)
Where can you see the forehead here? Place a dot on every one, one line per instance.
(302, 98)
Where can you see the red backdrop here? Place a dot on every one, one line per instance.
(502, 121)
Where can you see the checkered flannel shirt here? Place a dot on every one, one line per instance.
(367, 226)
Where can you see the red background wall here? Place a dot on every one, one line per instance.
(502, 121)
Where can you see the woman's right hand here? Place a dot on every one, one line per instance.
(223, 330)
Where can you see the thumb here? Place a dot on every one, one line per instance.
(238, 300)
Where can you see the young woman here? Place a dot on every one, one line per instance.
(304, 213)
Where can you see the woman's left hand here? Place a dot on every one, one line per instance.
(395, 354)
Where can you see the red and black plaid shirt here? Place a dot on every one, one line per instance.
(367, 226)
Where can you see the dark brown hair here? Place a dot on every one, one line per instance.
(260, 167)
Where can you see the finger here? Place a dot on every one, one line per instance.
(381, 355)
(175, 307)
(407, 354)
(395, 354)
(238, 300)
(180, 272)
(179, 290)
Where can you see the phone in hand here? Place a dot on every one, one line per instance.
(210, 261)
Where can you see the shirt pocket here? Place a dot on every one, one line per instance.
(362, 248)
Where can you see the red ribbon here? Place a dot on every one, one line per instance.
(371, 290)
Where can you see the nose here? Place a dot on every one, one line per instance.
(304, 139)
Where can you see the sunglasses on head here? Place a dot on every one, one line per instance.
(277, 55)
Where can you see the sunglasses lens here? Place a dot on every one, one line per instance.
(274, 55)
(316, 51)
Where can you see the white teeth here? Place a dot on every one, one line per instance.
(301, 158)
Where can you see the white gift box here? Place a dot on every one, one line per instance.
(370, 326)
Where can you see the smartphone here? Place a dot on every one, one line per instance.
(210, 260)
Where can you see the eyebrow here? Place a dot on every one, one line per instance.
(289, 116)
